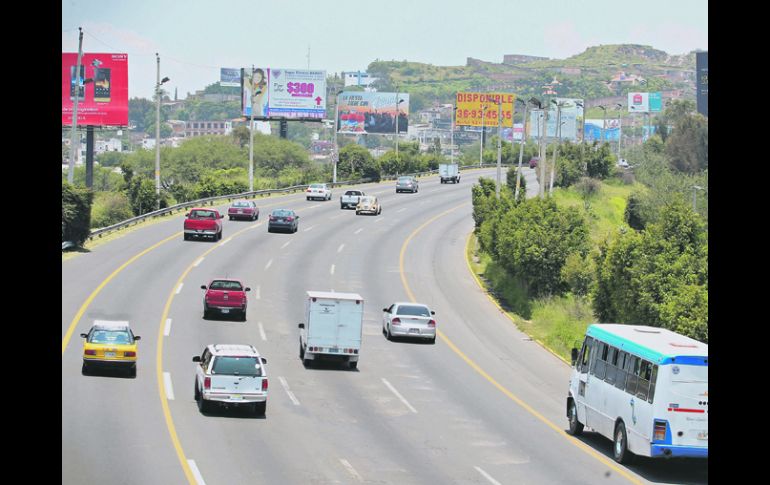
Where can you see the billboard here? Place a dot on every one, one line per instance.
(471, 106)
(513, 134)
(702, 82)
(284, 93)
(569, 123)
(644, 102)
(230, 77)
(372, 112)
(101, 87)
(594, 130)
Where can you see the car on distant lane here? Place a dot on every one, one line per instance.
(283, 219)
(201, 222)
(407, 184)
(243, 209)
(318, 191)
(368, 204)
(225, 296)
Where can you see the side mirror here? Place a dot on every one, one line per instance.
(187, 214)
(574, 356)
(385, 310)
(221, 216)
(84, 335)
(264, 360)
(248, 289)
(137, 337)
(197, 358)
(432, 312)
(301, 325)
(203, 287)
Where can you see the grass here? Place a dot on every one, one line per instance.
(557, 323)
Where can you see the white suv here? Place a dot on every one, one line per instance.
(231, 375)
(318, 191)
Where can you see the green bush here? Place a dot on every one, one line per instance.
(75, 213)
(110, 208)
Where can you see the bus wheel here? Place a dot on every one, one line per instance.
(620, 449)
(575, 426)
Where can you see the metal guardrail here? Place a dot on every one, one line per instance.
(170, 210)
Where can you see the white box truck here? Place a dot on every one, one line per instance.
(333, 327)
(449, 171)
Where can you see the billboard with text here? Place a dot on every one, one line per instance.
(644, 102)
(473, 109)
(283, 93)
(702, 82)
(230, 77)
(101, 88)
(372, 112)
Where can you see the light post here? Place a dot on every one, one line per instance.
(396, 122)
(619, 107)
(481, 140)
(157, 131)
(544, 150)
(583, 132)
(71, 173)
(499, 145)
(452, 136)
(521, 147)
(336, 146)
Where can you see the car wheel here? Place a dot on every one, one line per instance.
(219, 238)
(307, 363)
(388, 335)
(231, 218)
(84, 370)
(358, 213)
(203, 405)
(243, 316)
(342, 206)
(433, 340)
(256, 217)
(260, 408)
(132, 371)
(620, 447)
(301, 352)
(196, 392)
(575, 426)
(186, 237)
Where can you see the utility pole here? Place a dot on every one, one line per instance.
(556, 149)
(336, 146)
(499, 144)
(75, 95)
(521, 151)
(252, 88)
(481, 147)
(544, 151)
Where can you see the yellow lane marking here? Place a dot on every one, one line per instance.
(559, 430)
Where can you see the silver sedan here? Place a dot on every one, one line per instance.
(403, 319)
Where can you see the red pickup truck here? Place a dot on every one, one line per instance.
(225, 296)
(203, 223)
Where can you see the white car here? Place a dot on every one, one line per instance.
(404, 319)
(318, 191)
(622, 163)
(231, 375)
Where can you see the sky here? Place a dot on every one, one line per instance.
(195, 38)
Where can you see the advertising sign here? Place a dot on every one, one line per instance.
(656, 102)
(638, 102)
(471, 106)
(513, 134)
(702, 82)
(101, 88)
(230, 77)
(371, 112)
(594, 130)
(569, 123)
(284, 93)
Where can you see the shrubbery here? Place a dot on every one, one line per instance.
(75, 213)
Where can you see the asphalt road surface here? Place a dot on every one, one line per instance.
(483, 405)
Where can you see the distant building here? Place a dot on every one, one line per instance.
(519, 59)
(358, 78)
(200, 128)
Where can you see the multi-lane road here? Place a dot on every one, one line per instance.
(484, 405)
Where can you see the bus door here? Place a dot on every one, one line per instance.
(582, 366)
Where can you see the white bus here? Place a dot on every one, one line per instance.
(645, 388)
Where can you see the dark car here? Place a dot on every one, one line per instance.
(284, 220)
(407, 184)
(533, 162)
(243, 209)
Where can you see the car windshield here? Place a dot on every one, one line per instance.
(283, 213)
(413, 310)
(202, 215)
(241, 203)
(352, 192)
(115, 337)
(226, 285)
(405, 179)
(237, 366)
(367, 200)
(316, 186)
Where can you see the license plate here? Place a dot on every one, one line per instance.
(414, 330)
(240, 211)
(334, 349)
(109, 354)
(236, 398)
(225, 310)
(703, 435)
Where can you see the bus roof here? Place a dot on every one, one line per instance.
(658, 345)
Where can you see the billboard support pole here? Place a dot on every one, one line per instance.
(481, 140)
(499, 144)
(73, 144)
(336, 146)
(521, 150)
(89, 156)
(251, 134)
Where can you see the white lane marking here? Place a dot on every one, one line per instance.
(167, 385)
(167, 329)
(314, 206)
(335, 217)
(179, 288)
(288, 391)
(331, 271)
(259, 296)
(226, 241)
(398, 395)
(351, 470)
(285, 244)
(380, 219)
(196, 473)
(262, 332)
(361, 229)
(200, 260)
(309, 229)
(339, 249)
(487, 476)
(269, 263)
(401, 209)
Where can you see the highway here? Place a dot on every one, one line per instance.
(484, 405)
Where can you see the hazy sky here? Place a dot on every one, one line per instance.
(196, 37)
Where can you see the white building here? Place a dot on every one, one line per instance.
(358, 78)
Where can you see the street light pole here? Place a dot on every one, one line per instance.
(499, 145)
(336, 146)
(157, 133)
(71, 173)
(251, 131)
(544, 149)
(452, 136)
(556, 149)
(521, 150)
(481, 140)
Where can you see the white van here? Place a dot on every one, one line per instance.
(333, 328)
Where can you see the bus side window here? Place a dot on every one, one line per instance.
(586, 354)
(620, 375)
(631, 379)
(643, 387)
(653, 379)
(609, 375)
(601, 361)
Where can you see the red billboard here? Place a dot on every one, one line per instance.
(101, 89)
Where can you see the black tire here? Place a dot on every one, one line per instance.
(575, 426)
(84, 370)
(342, 206)
(196, 392)
(260, 408)
(620, 445)
(219, 237)
(301, 352)
(243, 316)
(186, 237)
(358, 213)
(307, 363)
(231, 218)
(256, 217)
(132, 371)
(388, 335)
(353, 365)
(269, 229)
(203, 405)
(433, 341)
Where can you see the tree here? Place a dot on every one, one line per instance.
(75, 213)
(356, 162)
(687, 146)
